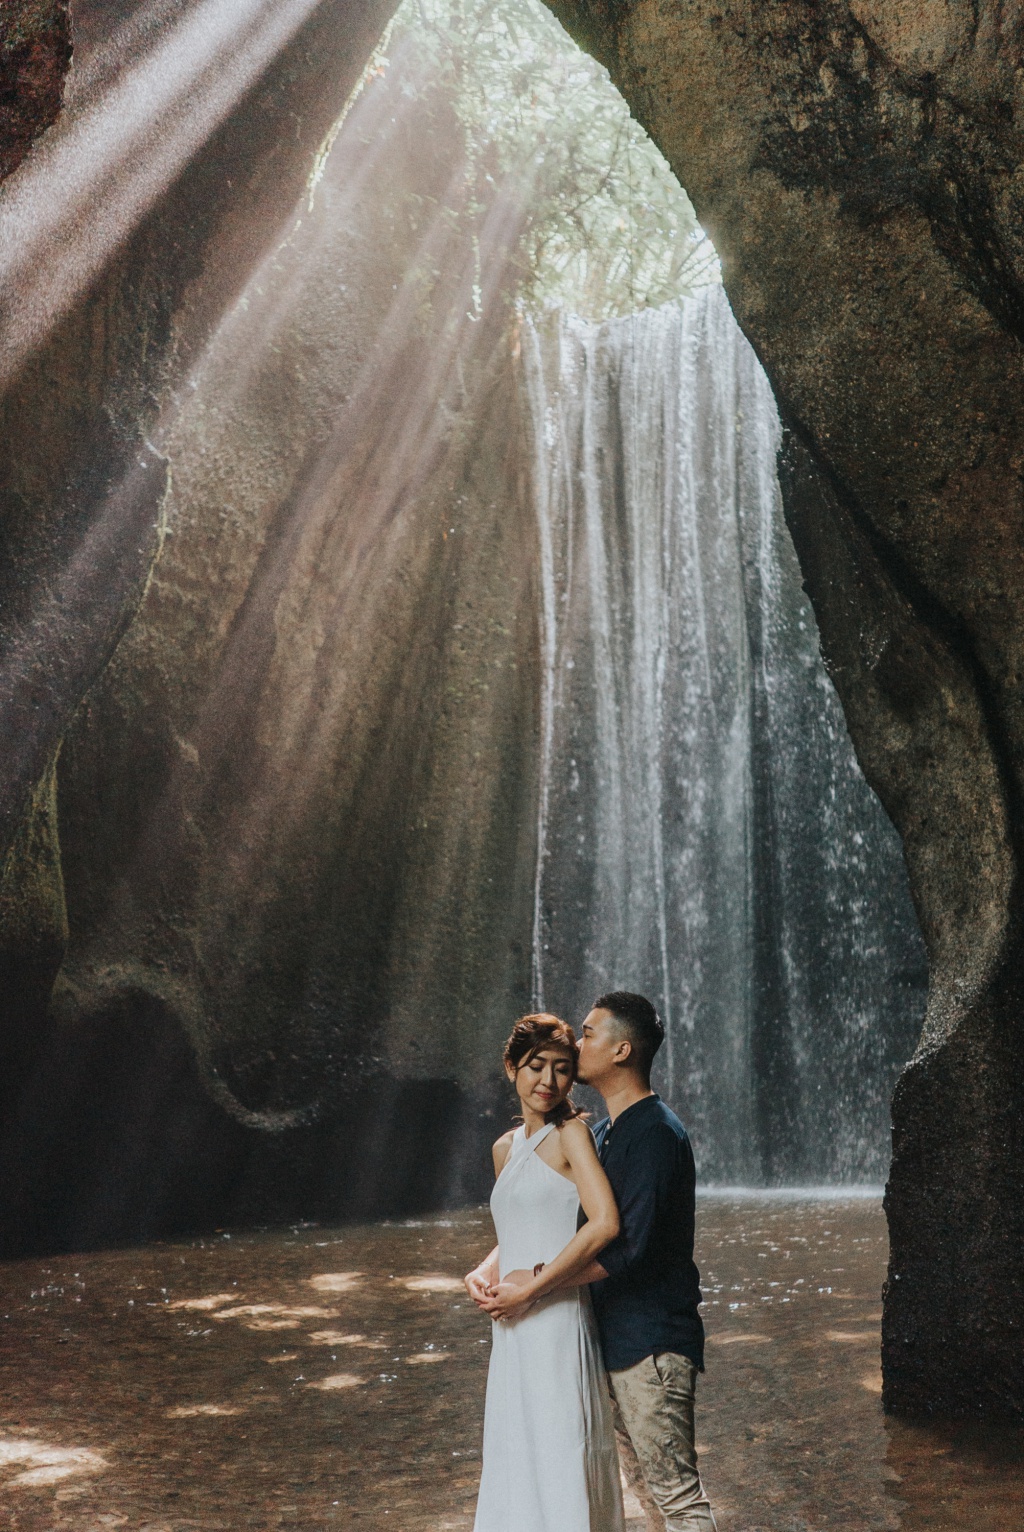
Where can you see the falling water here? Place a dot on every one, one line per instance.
(704, 832)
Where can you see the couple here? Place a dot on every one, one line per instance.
(550, 1462)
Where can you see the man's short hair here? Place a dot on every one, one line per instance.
(639, 1021)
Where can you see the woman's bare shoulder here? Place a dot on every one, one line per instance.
(575, 1136)
(501, 1147)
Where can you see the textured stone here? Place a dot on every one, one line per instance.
(34, 927)
(298, 807)
(858, 167)
(35, 53)
(81, 487)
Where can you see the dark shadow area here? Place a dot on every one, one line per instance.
(115, 1140)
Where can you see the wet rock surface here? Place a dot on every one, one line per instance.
(858, 167)
(35, 53)
(335, 1377)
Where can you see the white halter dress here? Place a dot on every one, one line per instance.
(549, 1463)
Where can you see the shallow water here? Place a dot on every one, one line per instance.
(316, 1378)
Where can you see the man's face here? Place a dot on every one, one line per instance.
(601, 1045)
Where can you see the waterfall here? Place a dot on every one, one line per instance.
(704, 834)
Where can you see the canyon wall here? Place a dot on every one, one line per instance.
(858, 166)
(187, 131)
(35, 55)
(290, 959)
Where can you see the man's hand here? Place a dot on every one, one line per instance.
(510, 1299)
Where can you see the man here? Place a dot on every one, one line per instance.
(645, 1286)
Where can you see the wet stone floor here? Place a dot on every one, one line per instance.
(317, 1378)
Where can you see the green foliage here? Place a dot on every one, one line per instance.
(609, 229)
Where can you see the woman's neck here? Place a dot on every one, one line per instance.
(532, 1121)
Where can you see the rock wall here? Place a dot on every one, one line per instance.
(35, 53)
(858, 166)
(124, 232)
(296, 811)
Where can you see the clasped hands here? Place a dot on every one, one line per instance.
(504, 1299)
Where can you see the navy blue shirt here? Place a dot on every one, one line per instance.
(649, 1302)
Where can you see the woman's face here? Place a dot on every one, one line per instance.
(543, 1081)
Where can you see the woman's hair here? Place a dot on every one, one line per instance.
(541, 1030)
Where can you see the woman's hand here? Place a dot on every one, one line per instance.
(483, 1279)
(511, 1297)
(478, 1285)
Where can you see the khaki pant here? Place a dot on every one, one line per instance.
(654, 1424)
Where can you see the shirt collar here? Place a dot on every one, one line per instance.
(645, 1101)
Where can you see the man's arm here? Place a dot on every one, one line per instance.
(651, 1175)
(595, 1272)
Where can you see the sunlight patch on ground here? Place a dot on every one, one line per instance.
(736, 1340)
(851, 1335)
(44, 1464)
(203, 1305)
(275, 1316)
(433, 1284)
(428, 1356)
(335, 1338)
(336, 1281)
(190, 1411)
(337, 1380)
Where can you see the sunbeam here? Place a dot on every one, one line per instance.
(94, 177)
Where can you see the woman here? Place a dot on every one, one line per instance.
(549, 1461)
